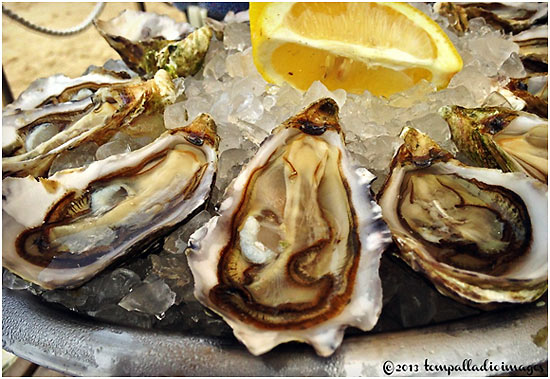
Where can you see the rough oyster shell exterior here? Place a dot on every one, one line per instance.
(148, 42)
(496, 137)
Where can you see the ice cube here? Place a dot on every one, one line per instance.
(318, 90)
(80, 156)
(175, 115)
(152, 297)
(513, 67)
(478, 84)
(13, 282)
(236, 36)
(173, 269)
(112, 148)
(176, 242)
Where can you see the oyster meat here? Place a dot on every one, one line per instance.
(497, 137)
(148, 42)
(61, 231)
(60, 88)
(480, 235)
(294, 253)
(135, 108)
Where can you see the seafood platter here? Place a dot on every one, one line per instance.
(223, 196)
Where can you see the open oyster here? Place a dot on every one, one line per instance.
(478, 234)
(509, 17)
(148, 42)
(61, 231)
(529, 94)
(533, 48)
(497, 137)
(59, 88)
(38, 137)
(294, 254)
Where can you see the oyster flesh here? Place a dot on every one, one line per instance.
(60, 88)
(495, 137)
(294, 253)
(480, 235)
(148, 42)
(40, 137)
(61, 231)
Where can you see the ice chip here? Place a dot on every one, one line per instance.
(236, 36)
(153, 297)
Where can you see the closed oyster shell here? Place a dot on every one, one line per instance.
(480, 235)
(495, 137)
(147, 42)
(294, 253)
(61, 231)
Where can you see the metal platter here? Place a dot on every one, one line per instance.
(75, 345)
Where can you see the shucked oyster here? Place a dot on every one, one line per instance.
(531, 93)
(58, 98)
(134, 107)
(509, 17)
(496, 137)
(478, 234)
(294, 254)
(60, 231)
(59, 88)
(148, 42)
(533, 48)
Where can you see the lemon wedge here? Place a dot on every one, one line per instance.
(381, 47)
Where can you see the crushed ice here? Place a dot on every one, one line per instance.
(246, 107)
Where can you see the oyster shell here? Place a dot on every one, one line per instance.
(134, 107)
(148, 42)
(497, 137)
(294, 253)
(59, 88)
(478, 234)
(27, 129)
(509, 17)
(533, 92)
(83, 219)
(533, 48)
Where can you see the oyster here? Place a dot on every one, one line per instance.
(294, 253)
(478, 234)
(135, 108)
(61, 231)
(28, 129)
(533, 48)
(509, 17)
(148, 42)
(496, 137)
(533, 92)
(60, 88)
